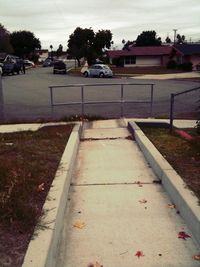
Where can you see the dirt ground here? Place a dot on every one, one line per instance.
(28, 163)
(182, 154)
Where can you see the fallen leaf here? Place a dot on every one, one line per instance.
(183, 235)
(8, 144)
(40, 187)
(196, 257)
(97, 264)
(139, 183)
(139, 254)
(171, 206)
(157, 181)
(79, 225)
(142, 201)
(129, 137)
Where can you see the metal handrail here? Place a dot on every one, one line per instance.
(172, 104)
(121, 101)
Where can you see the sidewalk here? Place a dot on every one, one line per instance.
(193, 74)
(116, 208)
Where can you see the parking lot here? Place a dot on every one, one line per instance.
(27, 97)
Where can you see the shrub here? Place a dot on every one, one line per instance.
(171, 64)
(187, 66)
(118, 62)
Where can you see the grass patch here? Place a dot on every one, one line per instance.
(28, 163)
(69, 119)
(182, 154)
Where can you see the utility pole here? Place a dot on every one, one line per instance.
(175, 30)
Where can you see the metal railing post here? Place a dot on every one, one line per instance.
(151, 108)
(82, 101)
(51, 95)
(51, 99)
(171, 112)
(122, 101)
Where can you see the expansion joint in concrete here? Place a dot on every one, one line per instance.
(157, 182)
(129, 137)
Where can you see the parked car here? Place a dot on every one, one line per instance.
(10, 68)
(48, 62)
(98, 70)
(29, 63)
(59, 67)
(1, 69)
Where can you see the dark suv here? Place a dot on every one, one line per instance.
(10, 68)
(59, 67)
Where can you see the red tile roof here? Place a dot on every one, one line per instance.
(141, 51)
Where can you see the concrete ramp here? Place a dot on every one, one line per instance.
(118, 214)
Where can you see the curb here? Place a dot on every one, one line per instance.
(42, 250)
(184, 199)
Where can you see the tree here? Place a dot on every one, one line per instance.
(24, 43)
(148, 38)
(128, 44)
(180, 39)
(123, 41)
(168, 40)
(51, 47)
(102, 41)
(80, 42)
(5, 45)
(86, 43)
(59, 50)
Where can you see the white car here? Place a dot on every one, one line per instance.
(29, 63)
(1, 69)
(98, 70)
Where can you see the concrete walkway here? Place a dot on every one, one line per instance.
(184, 75)
(116, 208)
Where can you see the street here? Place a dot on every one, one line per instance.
(27, 97)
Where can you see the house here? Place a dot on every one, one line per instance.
(142, 56)
(42, 53)
(183, 53)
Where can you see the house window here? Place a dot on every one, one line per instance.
(130, 60)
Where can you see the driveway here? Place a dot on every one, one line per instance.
(27, 97)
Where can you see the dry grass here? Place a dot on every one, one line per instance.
(182, 154)
(28, 162)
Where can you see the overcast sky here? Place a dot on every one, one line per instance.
(52, 21)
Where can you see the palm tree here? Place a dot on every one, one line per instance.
(51, 47)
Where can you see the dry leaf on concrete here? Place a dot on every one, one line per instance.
(139, 254)
(97, 264)
(79, 225)
(139, 183)
(196, 257)
(183, 235)
(143, 201)
(171, 206)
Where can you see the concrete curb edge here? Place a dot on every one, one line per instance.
(42, 250)
(184, 199)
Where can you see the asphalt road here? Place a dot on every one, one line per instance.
(27, 97)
